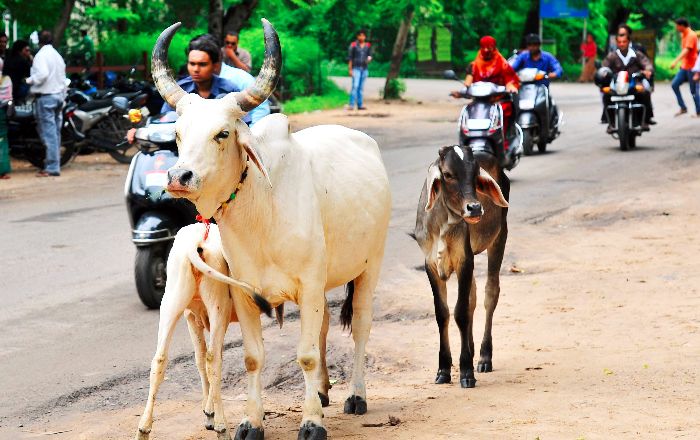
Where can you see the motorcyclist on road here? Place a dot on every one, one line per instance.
(491, 66)
(535, 57)
(626, 58)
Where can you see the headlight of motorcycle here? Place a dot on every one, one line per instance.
(135, 116)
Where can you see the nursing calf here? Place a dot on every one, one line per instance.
(462, 212)
(196, 288)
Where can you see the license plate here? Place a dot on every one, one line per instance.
(622, 98)
(157, 178)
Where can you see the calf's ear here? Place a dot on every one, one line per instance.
(487, 186)
(432, 184)
(247, 142)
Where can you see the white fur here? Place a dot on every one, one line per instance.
(321, 224)
(459, 152)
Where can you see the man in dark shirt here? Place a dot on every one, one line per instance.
(625, 58)
(18, 66)
(359, 56)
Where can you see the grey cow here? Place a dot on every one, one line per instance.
(462, 212)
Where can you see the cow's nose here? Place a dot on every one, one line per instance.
(474, 208)
(183, 177)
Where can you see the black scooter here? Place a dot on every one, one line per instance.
(154, 214)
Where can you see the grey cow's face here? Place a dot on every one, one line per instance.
(457, 178)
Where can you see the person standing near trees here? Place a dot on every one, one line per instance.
(359, 56)
(47, 83)
(588, 53)
(687, 58)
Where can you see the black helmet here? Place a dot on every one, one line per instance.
(532, 39)
(603, 77)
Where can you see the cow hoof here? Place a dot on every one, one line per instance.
(484, 367)
(467, 380)
(246, 431)
(311, 431)
(325, 401)
(143, 435)
(355, 405)
(209, 423)
(222, 434)
(443, 377)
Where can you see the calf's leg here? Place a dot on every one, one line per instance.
(493, 289)
(178, 294)
(200, 349)
(324, 380)
(442, 316)
(463, 318)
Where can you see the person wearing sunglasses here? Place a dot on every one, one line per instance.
(234, 55)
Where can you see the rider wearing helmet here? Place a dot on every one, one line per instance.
(626, 58)
(535, 57)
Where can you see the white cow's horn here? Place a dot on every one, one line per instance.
(168, 88)
(269, 74)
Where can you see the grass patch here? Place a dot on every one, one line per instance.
(334, 97)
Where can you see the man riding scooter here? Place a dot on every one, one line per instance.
(538, 114)
(624, 58)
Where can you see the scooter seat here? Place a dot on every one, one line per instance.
(95, 104)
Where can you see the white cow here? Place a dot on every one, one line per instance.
(299, 214)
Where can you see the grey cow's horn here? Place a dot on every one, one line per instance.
(269, 74)
(168, 88)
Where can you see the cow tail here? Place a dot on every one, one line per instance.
(346, 310)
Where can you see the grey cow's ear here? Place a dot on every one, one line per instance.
(432, 184)
(488, 187)
(247, 142)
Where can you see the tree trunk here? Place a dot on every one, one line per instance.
(399, 46)
(62, 23)
(532, 23)
(216, 19)
(237, 16)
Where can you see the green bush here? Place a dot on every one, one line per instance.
(333, 97)
(394, 89)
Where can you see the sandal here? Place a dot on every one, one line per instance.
(4, 176)
(47, 174)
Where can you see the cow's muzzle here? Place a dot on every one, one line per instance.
(472, 212)
(180, 182)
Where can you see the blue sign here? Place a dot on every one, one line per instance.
(563, 9)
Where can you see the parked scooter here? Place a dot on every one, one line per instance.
(154, 214)
(23, 137)
(536, 117)
(481, 123)
(103, 123)
(625, 112)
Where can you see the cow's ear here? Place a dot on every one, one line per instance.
(247, 142)
(488, 187)
(432, 184)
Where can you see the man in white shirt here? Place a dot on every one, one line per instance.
(47, 83)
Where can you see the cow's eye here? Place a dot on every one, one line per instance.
(448, 176)
(223, 134)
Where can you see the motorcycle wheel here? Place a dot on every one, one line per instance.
(623, 131)
(542, 146)
(633, 140)
(150, 274)
(527, 143)
(36, 153)
(124, 154)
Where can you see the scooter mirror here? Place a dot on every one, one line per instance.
(450, 74)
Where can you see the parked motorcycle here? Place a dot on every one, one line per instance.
(625, 112)
(481, 122)
(536, 117)
(103, 123)
(154, 214)
(23, 137)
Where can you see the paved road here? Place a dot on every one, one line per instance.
(72, 323)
